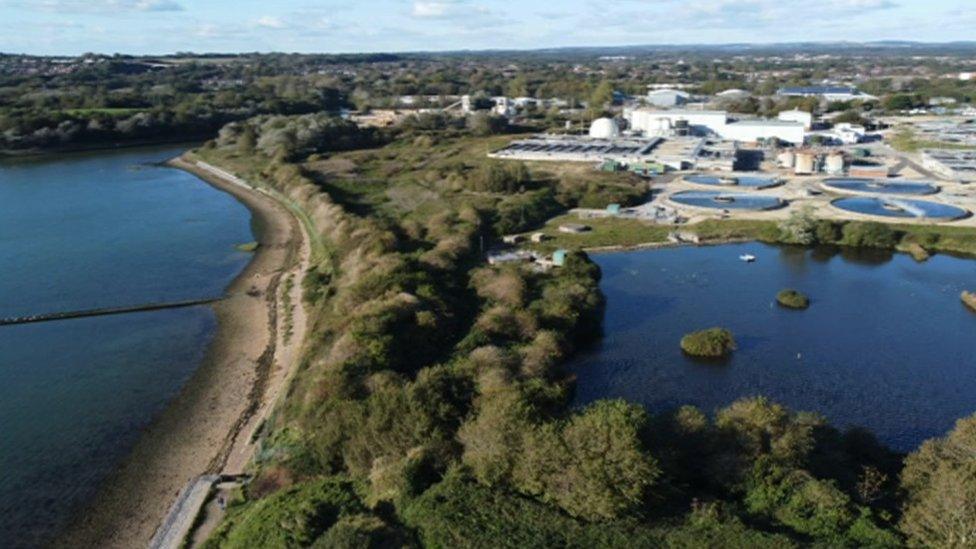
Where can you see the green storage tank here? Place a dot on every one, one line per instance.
(559, 258)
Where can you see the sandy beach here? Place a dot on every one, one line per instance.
(207, 428)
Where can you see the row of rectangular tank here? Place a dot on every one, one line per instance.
(808, 162)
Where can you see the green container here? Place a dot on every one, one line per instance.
(559, 258)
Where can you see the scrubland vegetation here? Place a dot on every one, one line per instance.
(431, 409)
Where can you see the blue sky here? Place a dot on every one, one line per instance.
(165, 26)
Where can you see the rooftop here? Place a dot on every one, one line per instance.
(818, 90)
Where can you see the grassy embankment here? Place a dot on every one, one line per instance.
(612, 232)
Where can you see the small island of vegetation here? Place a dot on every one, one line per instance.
(792, 299)
(710, 343)
(969, 298)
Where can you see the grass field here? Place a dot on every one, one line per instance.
(624, 233)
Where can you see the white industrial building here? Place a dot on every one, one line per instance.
(751, 131)
(734, 93)
(828, 93)
(796, 115)
(667, 98)
(713, 123)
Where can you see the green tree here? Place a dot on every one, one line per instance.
(493, 438)
(601, 97)
(898, 102)
(940, 482)
(518, 86)
(247, 141)
(595, 466)
(799, 228)
(869, 235)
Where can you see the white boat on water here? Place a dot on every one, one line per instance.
(748, 258)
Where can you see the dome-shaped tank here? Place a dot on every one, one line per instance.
(604, 128)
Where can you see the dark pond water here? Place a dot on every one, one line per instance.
(87, 231)
(886, 343)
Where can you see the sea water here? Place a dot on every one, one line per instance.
(85, 231)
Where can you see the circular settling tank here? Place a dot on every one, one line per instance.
(880, 186)
(899, 207)
(744, 181)
(728, 201)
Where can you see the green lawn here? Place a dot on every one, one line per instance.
(612, 231)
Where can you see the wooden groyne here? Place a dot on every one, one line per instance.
(104, 311)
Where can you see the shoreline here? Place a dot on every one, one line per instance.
(28, 154)
(208, 426)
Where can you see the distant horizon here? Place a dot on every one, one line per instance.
(154, 27)
(884, 43)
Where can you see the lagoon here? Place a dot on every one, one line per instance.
(886, 343)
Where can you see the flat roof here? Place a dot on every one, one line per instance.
(819, 90)
(755, 122)
(681, 112)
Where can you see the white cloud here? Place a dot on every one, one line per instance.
(431, 10)
(271, 22)
(95, 6)
(158, 5)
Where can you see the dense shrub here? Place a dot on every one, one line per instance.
(499, 177)
(460, 513)
(709, 343)
(940, 481)
(869, 235)
(294, 517)
(595, 466)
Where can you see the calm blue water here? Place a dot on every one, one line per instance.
(886, 343)
(727, 201)
(881, 186)
(85, 231)
(752, 181)
(899, 207)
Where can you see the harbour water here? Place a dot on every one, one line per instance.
(88, 231)
(886, 343)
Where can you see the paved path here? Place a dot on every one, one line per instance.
(179, 520)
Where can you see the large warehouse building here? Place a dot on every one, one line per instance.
(828, 93)
(713, 123)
